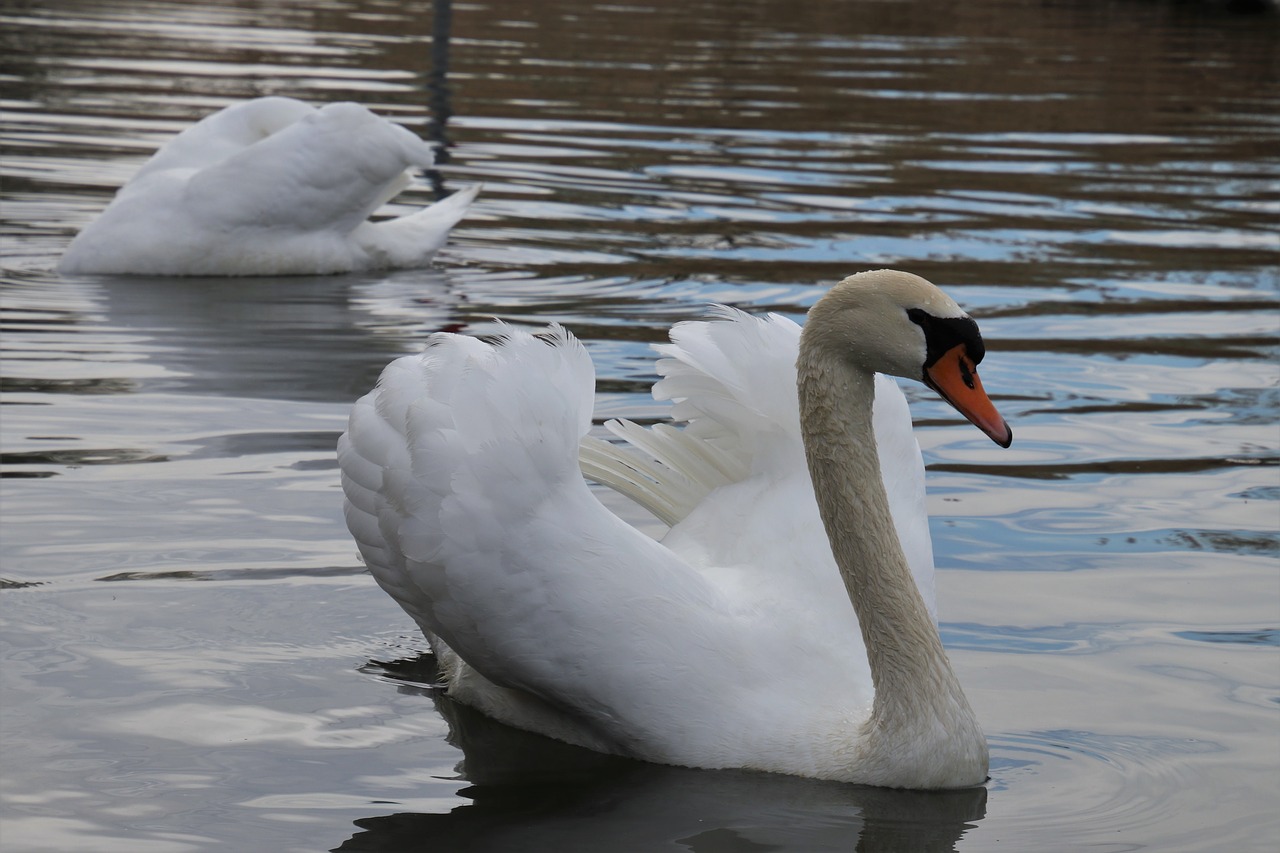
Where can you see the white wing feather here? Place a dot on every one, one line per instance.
(733, 384)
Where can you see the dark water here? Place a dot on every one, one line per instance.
(192, 656)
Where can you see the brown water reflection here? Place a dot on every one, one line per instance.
(1096, 181)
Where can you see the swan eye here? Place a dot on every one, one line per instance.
(942, 334)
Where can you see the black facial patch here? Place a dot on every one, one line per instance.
(942, 334)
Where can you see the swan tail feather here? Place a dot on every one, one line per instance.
(412, 239)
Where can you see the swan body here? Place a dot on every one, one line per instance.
(731, 642)
(270, 186)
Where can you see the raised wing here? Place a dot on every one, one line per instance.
(733, 483)
(464, 496)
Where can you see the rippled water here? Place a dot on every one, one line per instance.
(193, 657)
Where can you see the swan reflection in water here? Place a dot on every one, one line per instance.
(528, 792)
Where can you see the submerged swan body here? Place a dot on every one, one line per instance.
(731, 643)
(270, 186)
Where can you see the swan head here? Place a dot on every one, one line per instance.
(887, 321)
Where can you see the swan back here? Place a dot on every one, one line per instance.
(222, 135)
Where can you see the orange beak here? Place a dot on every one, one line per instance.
(955, 377)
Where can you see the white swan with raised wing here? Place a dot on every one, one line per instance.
(794, 490)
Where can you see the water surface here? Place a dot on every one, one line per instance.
(194, 658)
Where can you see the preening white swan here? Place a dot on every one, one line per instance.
(271, 186)
(732, 642)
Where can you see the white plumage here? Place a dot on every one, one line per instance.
(730, 643)
(271, 186)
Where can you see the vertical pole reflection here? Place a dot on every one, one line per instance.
(438, 105)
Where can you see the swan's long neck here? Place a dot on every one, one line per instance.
(920, 715)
